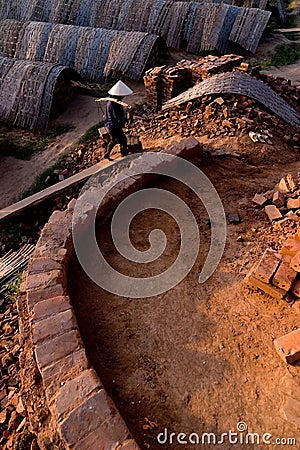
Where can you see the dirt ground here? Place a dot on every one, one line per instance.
(23, 173)
(199, 358)
(82, 114)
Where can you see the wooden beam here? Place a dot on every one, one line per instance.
(35, 199)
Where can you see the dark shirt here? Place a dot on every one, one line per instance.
(114, 116)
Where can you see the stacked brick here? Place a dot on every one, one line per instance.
(284, 201)
(81, 411)
(164, 83)
(278, 275)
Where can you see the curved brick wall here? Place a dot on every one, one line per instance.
(82, 412)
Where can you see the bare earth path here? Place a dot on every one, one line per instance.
(16, 176)
(291, 71)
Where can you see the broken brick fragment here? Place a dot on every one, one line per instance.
(278, 199)
(296, 288)
(293, 203)
(288, 346)
(284, 276)
(290, 247)
(295, 262)
(267, 265)
(259, 200)
(273, 213)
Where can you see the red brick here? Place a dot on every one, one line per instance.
(96, 415)
(49, 307)
(44, 280)
(290, 386)
(38, 265)
(267, 265)
(290, 247)
(188, 148)
(297, 236)
(296, 288)
(55, 234)
(290, 182)
(23, 285)
(273, 291)
(71, 204)
(284, 277)
(129, 445)
(259, 199)
(293, 203)
(70, 366)
(47, 251)
(53, 326)
(278, 198)
(57, 348)
(122, 190)
(295, 262)
(75, 392)
(62, 218)
(273, 213)
(43, 294)
(283, 187)
(288, 346)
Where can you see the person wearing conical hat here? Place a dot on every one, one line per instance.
(115, 119)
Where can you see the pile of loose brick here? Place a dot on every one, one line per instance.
(283, 203)
(214, 116)
(165, 82)
(277, 273)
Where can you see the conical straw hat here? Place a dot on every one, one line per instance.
(120, 89)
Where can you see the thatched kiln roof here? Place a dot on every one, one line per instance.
(26, 91)
(95, 53)
(201, 26)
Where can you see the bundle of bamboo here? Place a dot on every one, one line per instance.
(96, 54)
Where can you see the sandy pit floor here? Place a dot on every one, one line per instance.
(199, 358)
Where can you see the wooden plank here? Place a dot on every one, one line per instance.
(288, 30)
(51, 191)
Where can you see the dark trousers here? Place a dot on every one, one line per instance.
(117, 136)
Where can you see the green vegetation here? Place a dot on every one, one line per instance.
(45, 179)
(91, 134)
(12, 145)
(101, 90)
(93, 89)
(275, 21)
(13, 289)
(284, 55)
